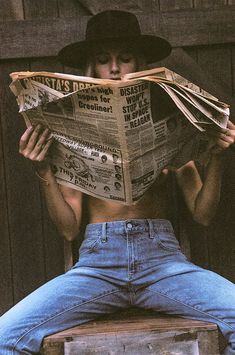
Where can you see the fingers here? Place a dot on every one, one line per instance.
(223, 139)
(24, 138)
(231, 125)
(44, 150)
(34, 143)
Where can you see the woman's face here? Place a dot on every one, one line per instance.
(112, 63)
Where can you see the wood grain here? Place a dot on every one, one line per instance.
(207, 27)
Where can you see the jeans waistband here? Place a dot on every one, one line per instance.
(123, 226)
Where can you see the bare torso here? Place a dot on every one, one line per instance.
(154, 204)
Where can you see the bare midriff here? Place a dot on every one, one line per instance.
(154, 204)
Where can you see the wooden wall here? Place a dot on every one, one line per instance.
(31, 34)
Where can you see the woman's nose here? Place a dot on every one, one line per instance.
(115, 67)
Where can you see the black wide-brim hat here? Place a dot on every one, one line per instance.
(113, 25)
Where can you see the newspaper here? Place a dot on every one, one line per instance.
(112, 138)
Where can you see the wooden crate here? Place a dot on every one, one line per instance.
(136, 333)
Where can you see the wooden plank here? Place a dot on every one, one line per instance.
(169, 5)
(53, 242)
(40, 9)
(6, 296)
(140, 343)
(23, 197)
(130, 330)
(94, 6)
(11, 10)
(52, 259)
(50, 35)
(233, 68)
(71, 8)
(209, 3)
(134, 324)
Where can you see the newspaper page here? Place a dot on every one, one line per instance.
(113, 138)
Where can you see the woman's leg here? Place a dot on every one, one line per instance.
(199, 294)
(68, 300)
(94, 286)
(175, 286)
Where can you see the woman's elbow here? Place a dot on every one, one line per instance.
(204, 219)
(68, 234)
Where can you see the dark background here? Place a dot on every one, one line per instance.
(31, 32)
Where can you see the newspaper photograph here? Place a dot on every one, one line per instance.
(113, 138)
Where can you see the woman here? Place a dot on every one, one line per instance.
(129, 255)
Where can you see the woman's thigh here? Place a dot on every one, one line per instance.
(68, 300)
(196, 294)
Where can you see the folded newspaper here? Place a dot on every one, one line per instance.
(112, 138)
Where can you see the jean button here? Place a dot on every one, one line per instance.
(129, 225)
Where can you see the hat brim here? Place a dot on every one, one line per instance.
(154, 49)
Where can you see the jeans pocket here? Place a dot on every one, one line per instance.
(89, 245)
(168, 241)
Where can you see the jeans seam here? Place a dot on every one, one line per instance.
(60, 313)
(192, 307)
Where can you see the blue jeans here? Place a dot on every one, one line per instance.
(122, 264)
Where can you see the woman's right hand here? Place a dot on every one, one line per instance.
(34, 145)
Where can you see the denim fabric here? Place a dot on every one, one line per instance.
(121, 264)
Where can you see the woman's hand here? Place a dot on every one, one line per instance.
(224, 140)
(34, 145)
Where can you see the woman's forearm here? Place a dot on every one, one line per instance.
(208, 198)
(64, 205)
(60, 211)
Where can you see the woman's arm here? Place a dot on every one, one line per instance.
(64, 204)
(202, 197)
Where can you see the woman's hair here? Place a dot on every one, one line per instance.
(139, 57)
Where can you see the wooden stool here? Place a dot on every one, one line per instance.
(136, 332)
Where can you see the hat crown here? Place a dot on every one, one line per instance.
(119, 26)
(112, 24)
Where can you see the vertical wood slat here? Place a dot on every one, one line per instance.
(204, 244)
(40, 9)
(23, 242)
(233, 69)
(186, 66)
(53, 243)
(216, 60)
(6, 294)
(71, 8)
(221, 233)
(22, 193)
(52, 258)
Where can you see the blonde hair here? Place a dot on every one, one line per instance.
(140, 60)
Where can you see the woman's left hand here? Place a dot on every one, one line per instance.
(224, 140)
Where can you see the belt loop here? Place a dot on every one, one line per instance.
(151, 230)
(104, 232)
